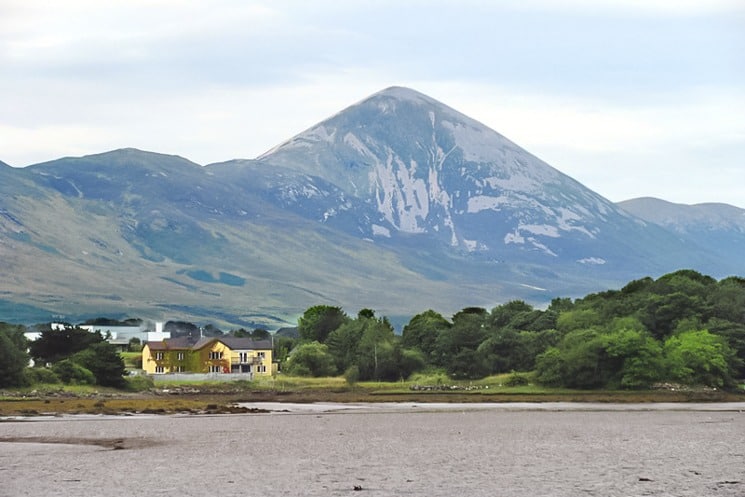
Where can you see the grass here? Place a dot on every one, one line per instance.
(132, 360)
(221, 397)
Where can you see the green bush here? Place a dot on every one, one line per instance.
(73, 374)
(132, 360)
(516, 380)
(104, 361)
(138, 383)
(352, 375)
(311, 359)
(41, 375)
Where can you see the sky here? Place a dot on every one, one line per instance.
(631, 98)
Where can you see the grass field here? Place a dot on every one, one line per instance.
(221, 397)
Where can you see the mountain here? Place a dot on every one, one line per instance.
(397, 203)
(424, 169)
(717, 228)
(682, 218)
(133, 233)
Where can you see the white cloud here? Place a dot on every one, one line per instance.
(652, 88)
(51, 142)
(687, 148)
(668, 7)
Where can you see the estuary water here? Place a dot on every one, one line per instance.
(384, 450)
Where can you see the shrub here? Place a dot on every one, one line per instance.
(516, 380)
(104, 361)
(73, 374)
(352, 375)
(311, 359)
(132, 360)
(41, 375)
(138, 383)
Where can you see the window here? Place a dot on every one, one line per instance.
(159, 356)
(215, 368)
(159, 369)
(178, 369)
(180, 356)
(261, 355)
(243, 357)
(261, 369)
(215, 355)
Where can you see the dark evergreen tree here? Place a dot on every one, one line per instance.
(13, 356)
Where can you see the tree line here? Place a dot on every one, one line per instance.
(70, 355)
(683, 327)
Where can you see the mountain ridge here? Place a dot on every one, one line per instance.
(397, 202)
(678, 216)
(429, 169)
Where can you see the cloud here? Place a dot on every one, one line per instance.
(655, 7)
(688, 147)
(585, 85)
(51, 142)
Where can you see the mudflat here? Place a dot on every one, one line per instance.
(389, 449)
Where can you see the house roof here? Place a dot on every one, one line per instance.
(189, 343)
(237, 343)
(180, 343)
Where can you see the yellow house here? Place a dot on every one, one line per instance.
(220, 355)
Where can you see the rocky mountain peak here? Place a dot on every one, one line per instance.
(429, 169)
(398, 203)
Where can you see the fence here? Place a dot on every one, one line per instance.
(196, 377)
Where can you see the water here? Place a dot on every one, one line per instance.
(390, 449)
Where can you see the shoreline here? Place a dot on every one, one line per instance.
(208, 401)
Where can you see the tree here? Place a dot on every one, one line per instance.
(502, 351)
(211, 330)
(580, 360)
(103, 321)
(727, 300)
(734, 333)
(466, 364)
(466, 333)
(261, 334)
(577, 319)
(282, 347)
(700, 358)
(344, 342)
(55, 345)
(408, 361)
(181, 328)
(663, 312)
(531, 345)
(503, 314)
(422, 331)
(583, 353)
(71, 373)
(320, 320)
(375, 357)
(135, 344)
(550, 368)
(311, 359)
(13, 357)
(635, 357)
(103, 360)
